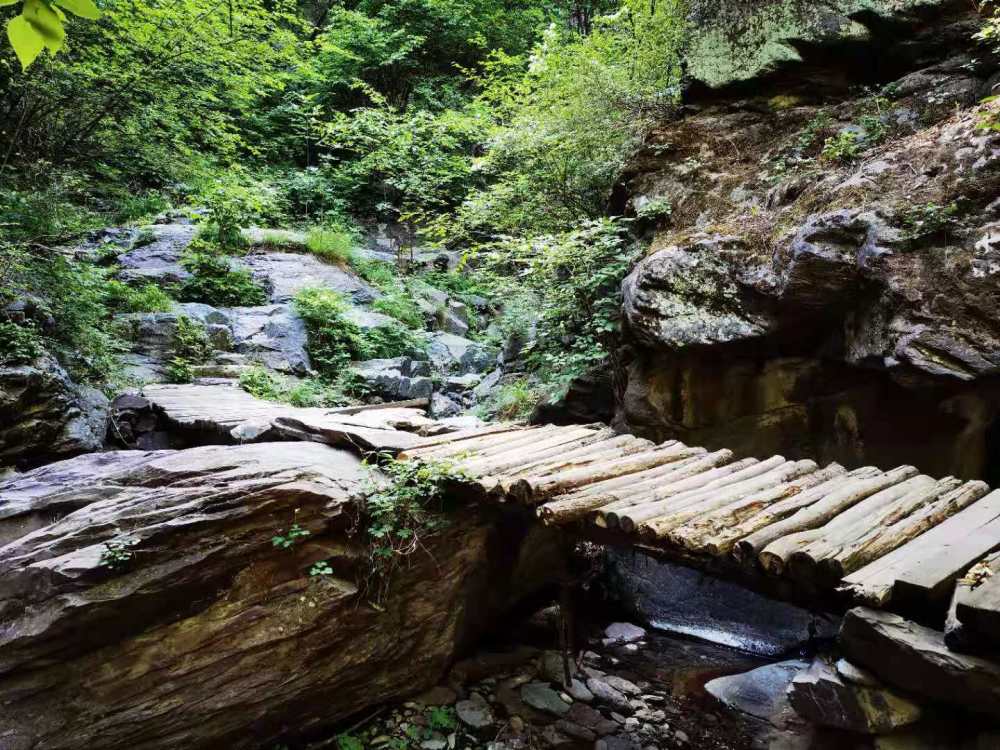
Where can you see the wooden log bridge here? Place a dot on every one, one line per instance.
(800, 531)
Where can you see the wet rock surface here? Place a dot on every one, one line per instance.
(678, 599)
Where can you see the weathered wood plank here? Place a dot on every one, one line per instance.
(822, 510)
(926, 567)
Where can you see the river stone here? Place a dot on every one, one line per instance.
(622, 685)
(678, 599)
(623, 632)
(45, 415)
(442, 406)
(579, 692)
(87, 648)
(760, 692)
(604, 693)
(821, 696)
(553, 669)
(475, 712)
(541, 696)
(856, 674)
(440, 695)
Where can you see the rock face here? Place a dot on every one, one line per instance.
(155, 582)
(799, 302)
(820, 695)
(158, 261)
(678, 599)
(44, 415)
(915, 658)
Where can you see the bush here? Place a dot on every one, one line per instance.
(214, 282)
(147, 298)
(514, 401)
(843, 147)
(334, 340)
(18, 344)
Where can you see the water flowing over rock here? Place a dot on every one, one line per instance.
(156, 582)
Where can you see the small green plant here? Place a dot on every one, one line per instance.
(332, 244)
(321, 568)
(215, 282)
(309, 392)
(813, 130)
(117, 553)
(349, 742)
(656, 209)
(19, 344)
(441, 718)
(843, 147)
(403, 507)
(928, 219)
(190, 346)
(334, 340)
(287, 540)
(513, 401)
(391, 340)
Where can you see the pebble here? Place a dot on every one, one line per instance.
(434, 744)
(604, 693)
(541, 696)
(681, 736)
(652, 698)
(475, 712)
(632, 724)
(579, 691)
(437, 696)
(622, 685)
(575, 730)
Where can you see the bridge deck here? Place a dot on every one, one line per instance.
(863, 536)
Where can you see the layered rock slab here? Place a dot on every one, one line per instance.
(203, 633)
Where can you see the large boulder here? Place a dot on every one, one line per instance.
(45, 415)
(273, 335)
(398, 379)
(451, 353)
(149, 579)
(158, 261)
(286, 274)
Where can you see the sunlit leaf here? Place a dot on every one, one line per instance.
(82, 8)
(27, 42)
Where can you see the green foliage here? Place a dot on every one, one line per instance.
(321, 568)
(73, 297)
(287, 540)
(814, 130)
(147, 298)
(349, 742)
(309, 392)
(402, 508)
(18, 344)
(397, 302)
(657, 209)
(927, 219)
(190, 346)
(41, 26)
(843, 147)
(333, 244)
(117, 553)
(515, 400)
(335, 340)
(214, 281)
(575, 281)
